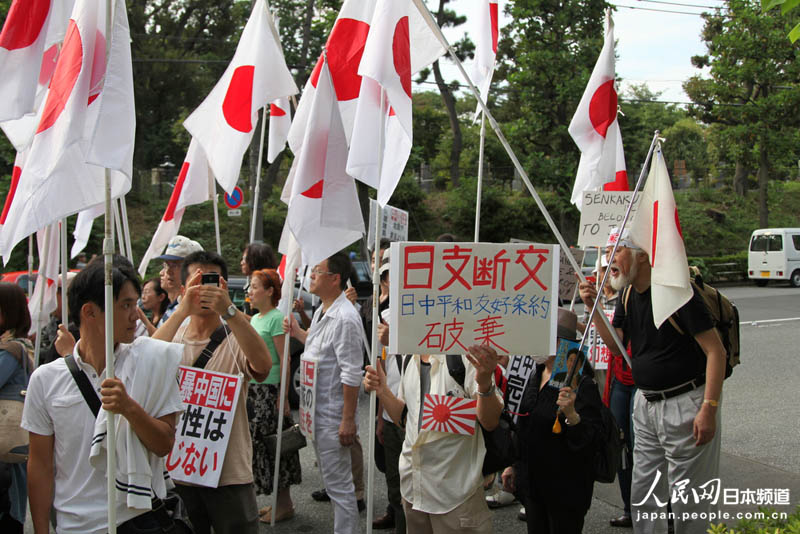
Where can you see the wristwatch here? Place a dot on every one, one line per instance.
(230, 313)
(489, 392)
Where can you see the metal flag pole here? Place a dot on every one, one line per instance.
(126, 230)
(480, 180)
(42, 262)
(257, 190)
(30, 265)
(426, 14)
(373, 398)
(64, 271)
(216, 219)
(118, 227)
(285, 377)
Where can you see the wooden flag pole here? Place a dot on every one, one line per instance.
(426, 14)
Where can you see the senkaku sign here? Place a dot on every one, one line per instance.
(445, 297)
(602, 211)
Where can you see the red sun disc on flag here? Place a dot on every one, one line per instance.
(401, 54)
(495, 31)
(452, 415)
(603, 107)
(345, 47)
(16, 173)
(24, 24)
(66, 74)
(49, 59)
(98, 68)
(276, 111)
(169, 214)
(315, 191)
(236, 107)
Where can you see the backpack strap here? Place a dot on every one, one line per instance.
(626, 293)
(455, 366)
(82, 381)
(217, 337)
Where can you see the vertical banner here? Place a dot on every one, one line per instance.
(448, 296)
(308, 394)
(394, 223)
(204, 429)
(600, 353)
(520, 369)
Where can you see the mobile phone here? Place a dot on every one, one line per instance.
(210, 279)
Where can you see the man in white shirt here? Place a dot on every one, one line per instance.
(61, 423)
(334, 341)
(440, 473)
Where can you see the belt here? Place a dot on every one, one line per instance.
(653, 396)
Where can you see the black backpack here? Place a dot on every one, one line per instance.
(609, 448)
(501, 450)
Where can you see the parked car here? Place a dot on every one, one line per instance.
(774, 255)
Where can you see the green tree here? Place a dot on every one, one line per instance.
(686, 140)
(751, 95)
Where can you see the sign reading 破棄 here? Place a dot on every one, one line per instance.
(203, 431)
(602, 211)
(447, 296)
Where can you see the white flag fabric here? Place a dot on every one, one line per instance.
(280, 120)
(44, 299)
(87, 124)
(486, 47)
(290, 262)
(595, 128)
(28, 49)
(324, 215)
(224, 123)
(388, 63)
(83, 228)
(656, 229)
(195, 185)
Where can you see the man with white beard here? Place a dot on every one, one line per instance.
(676, 410)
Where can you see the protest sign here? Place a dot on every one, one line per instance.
(602, 211)
(520, 369)
(566, 274)
(204, 429)
(565, 359)
(308, 394)
(445, 297)
(600, 353)
(394, 223)
(451, 415)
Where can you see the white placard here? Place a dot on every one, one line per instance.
(599, 353)
(520, 370)
(566, 274)
(309, 366)
(394, 223)
(447, 296)
(602, 211)
(204, 429)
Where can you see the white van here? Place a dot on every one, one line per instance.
(774, 255)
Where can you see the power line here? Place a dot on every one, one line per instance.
(663, 10)
(680, 4)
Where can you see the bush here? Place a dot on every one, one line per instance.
(769, 525)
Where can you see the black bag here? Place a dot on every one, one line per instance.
(292, 441)
(170, 512)
(609, 448)
(501, 450)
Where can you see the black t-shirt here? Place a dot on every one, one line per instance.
(663, 358)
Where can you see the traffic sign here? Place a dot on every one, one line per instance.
(233, 201)
(234, 213)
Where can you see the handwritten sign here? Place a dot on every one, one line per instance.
(447, 296)
(520, 369)
(602, 211)
(599, 353)
(394, 223)
(309, 366)
(204, 429)
(566, 274)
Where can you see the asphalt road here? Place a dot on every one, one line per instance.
(760, 432)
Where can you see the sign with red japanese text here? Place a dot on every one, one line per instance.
(309, 365)
(394, 223)
(445, 297)
(599, 353)
(602, 211)
(452, 415)
(204, 429)
(520, 369)
(567, 281)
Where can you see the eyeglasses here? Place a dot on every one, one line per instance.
(318, 272)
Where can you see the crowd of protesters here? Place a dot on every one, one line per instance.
(667, 405)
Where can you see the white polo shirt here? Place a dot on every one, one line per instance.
(54, 405)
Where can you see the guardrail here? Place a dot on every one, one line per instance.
(726, 271)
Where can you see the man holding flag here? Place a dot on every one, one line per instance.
(678, 373)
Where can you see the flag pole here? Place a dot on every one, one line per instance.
(216, 220)
(257, 191)
(375, 318)
(126, 230)
(64, 271)
(42, 263)
(285, 377)
(118, 227)
(426, 14)
(480, 180)
(30, 265)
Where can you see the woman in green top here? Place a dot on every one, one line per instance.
(263, 398)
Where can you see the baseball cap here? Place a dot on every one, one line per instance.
(179, 247)
(384, 263)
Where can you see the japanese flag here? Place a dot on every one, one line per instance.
(83, 228)
(453, 415)
(280, 120)
(486, 46)
(324, 215)
(657, 230)
(595, 128)
(44, 299)
(87, 125)
(257, 75)
(195, 185)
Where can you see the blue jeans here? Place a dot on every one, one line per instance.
(621, 406)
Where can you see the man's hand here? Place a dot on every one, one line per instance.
(299, 305)
(588, 293)
(216, 297)
(485, 361)
(351, 294)
(347, 431)
(705, 424)
(509, 480)
(190, 300)
(114, 397)
(293, 328)
(374, 379)
(65, 341)
(566, 401)
(383, 334)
